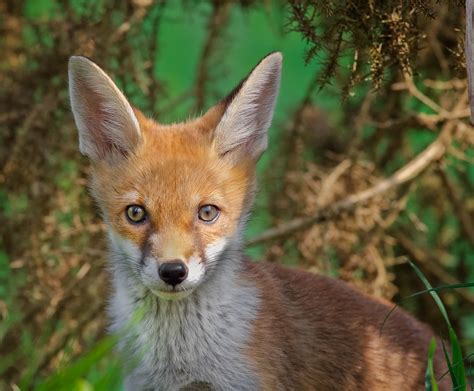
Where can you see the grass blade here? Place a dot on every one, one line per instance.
(456, 370)
(441, 288)
(430, 379)
(457, 360)
(432, 292)
(70, 375)
(450, 367)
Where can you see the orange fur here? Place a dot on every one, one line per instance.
(173, 172)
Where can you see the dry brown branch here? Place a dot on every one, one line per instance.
(409, 172)
(62, 338)
(217, 23)
(41, 110)
(409, 84)
(58, 303)
(137, 16)
(360, 120)
(421, 119)
(462, 214)
(456, 84)
(330, 180)
(405, 174)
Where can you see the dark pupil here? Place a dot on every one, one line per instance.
(136, 212)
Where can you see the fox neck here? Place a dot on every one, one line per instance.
(222, 308)
(207, 329)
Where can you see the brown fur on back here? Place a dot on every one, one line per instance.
(318, 333)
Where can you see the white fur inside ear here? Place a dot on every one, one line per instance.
(104, 118)
(247, 118)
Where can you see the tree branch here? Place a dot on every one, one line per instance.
(217, 22)
(405, 174)
(463, 215)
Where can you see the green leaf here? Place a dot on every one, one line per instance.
(457, 360)
(430, 380)
(63, 379)
(82, 385)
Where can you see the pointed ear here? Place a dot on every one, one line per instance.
(242, 130)
(106, 122)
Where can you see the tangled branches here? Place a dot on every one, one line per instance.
(374, 37)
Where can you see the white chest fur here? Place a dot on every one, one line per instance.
(200, 338)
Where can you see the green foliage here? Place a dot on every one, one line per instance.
(39, 10)
(84, 374)
(456, 361)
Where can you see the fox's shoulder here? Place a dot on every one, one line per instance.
(320, 313)
(326, 296)
(292, 280)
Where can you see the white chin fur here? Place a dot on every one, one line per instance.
(172, 295)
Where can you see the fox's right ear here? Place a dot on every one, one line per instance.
(248, 111)
(106, 122)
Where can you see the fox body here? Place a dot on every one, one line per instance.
(175, 199)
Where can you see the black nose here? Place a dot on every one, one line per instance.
(173, 273)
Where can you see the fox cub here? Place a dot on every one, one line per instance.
(175, 200)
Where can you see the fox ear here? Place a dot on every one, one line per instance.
(242, 130)
(106, 122)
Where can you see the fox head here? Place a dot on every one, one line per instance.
(173, 197)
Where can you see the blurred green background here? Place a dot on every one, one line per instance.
(347, 117)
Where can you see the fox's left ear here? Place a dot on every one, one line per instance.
(106, 122)
(242, 129)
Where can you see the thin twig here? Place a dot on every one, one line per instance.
(423, 257)
(62, 338)
(41, 110)
(405, 174)
(216, 24)
(414, 91)
(328, 182)
(463, 215)
(421, 119)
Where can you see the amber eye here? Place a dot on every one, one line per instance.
(135, 214)
(208, 213)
